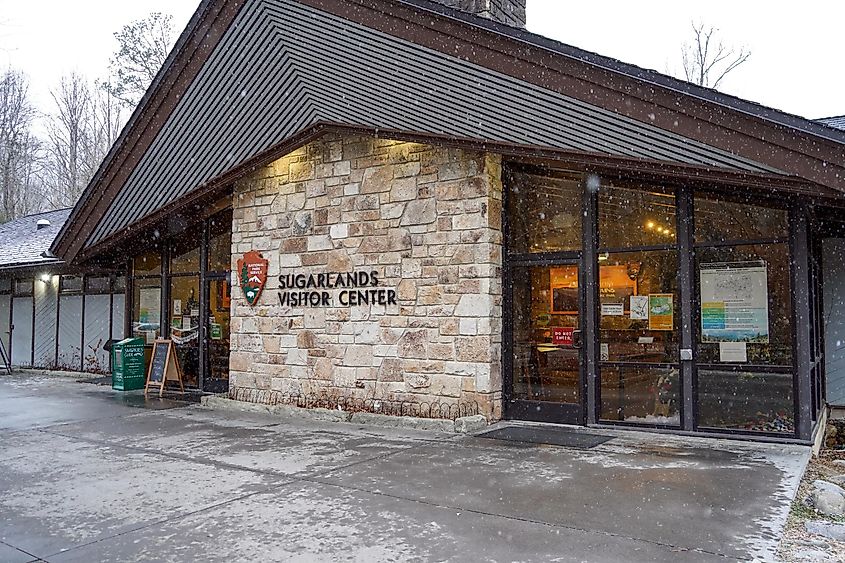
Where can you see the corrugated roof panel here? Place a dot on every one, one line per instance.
(284, 66)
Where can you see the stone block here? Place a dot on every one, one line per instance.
(358, 356)
(470, 424)
(391, 370)
(404, 189)
(413, 344)
(474, 306)
(419, 212)
(377, 179)
(339, 231)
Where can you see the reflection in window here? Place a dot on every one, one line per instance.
(544, 212)
(640, 395)
(185, 253)
(718, 220)
(753, 402)
(636, 217)
(545, 317)
(148, 264)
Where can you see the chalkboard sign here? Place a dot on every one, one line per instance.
(164, 367)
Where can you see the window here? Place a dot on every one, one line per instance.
(146, 308)
(5, 285)
(745, 317)
(185, 252)
(70, 284)
(23, 288)
(630, 218)
(544, 212)
(639, 319)
(148, 264)
(119, 284)
(719, 220)
(97, 284)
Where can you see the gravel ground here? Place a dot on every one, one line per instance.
(797, 543)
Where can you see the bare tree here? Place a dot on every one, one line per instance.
(143, 46)
(68, 166)
(707, 60)
(82, 128)
(19, 149)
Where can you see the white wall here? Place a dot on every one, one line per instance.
(22, 331)
(5, 320)
(46, 301)
(70, 332)
(97, 313)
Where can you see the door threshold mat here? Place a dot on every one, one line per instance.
(548, 436)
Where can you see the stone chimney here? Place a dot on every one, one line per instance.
(509, 12)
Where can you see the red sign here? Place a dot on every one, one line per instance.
(563, 336)
(252, 269)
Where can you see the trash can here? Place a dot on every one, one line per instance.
(128, 366)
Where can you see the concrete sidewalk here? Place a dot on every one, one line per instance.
(87, 475)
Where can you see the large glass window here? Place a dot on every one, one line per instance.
(639, 306)
(719, 220)
(746, 400)
(185, 253)
(146, 308)
(630, 217)
(745, 328)
(220, 242)
(544, 212)
(147, 264)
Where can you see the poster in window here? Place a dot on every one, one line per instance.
(734, 302)
(150, 305)
(639, 307)
(661, 311)
(564, 290)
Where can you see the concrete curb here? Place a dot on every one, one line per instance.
(464, 425)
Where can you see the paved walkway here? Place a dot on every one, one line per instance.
(86, 475)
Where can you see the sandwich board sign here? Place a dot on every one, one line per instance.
(164, 367)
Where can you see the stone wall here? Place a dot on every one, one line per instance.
(427, 220)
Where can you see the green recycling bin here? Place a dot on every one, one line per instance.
(127, 360)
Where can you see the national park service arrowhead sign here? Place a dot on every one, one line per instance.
(252, 269)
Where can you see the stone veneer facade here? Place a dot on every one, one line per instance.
(428, 220)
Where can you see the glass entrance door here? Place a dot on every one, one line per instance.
(546, 351)
(216, 341)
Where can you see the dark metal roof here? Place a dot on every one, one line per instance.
(837, 122)
(22, 243)
(283, 67)
(646, 75)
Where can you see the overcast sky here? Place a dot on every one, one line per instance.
(798, 48)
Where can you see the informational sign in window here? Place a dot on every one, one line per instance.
(734, 302)
(150, 305)
(661, 311)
